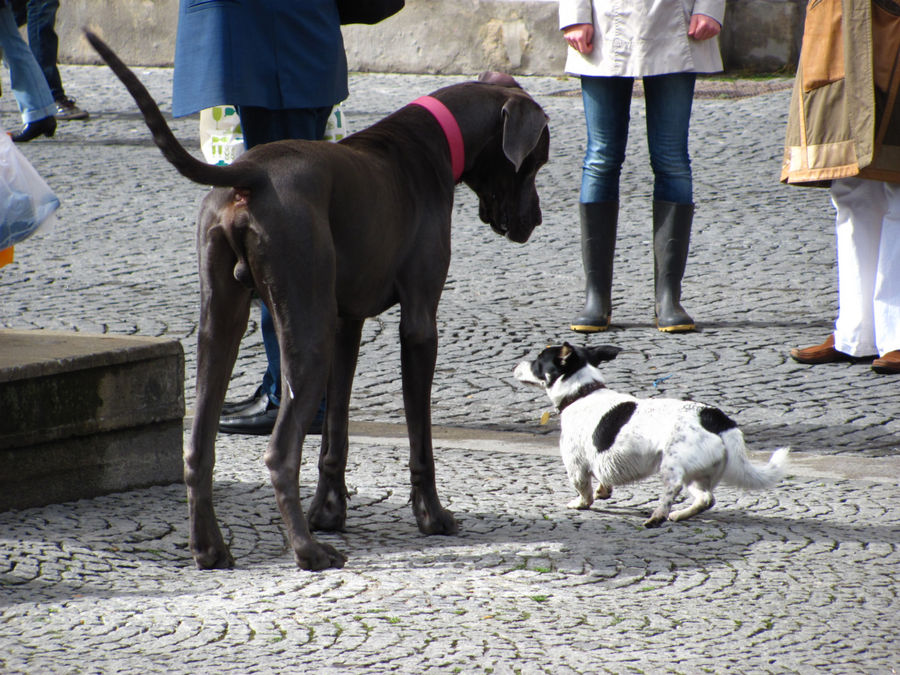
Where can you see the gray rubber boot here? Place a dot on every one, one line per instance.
(598, 246)
(671, 241)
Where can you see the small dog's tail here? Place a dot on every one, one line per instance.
(742, 473)
(246, 175)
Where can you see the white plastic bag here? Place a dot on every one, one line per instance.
(221, 136)
(26, 201)
(337, 126)
(222, 140)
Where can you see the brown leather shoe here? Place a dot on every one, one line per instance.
(889, 364)
(823, 353)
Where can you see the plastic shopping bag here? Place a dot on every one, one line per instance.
(336, 127)
(221, 137)
(222, 140)
(26, 201)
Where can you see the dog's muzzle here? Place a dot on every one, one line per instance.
(517, 228)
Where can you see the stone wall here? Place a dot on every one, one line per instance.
(437, 36)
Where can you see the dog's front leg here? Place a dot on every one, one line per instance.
(328, 510)
(603, 491)
(580, 477)
(578, 470)
(418, 356)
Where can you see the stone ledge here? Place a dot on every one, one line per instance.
(84, 415)
(83, 467)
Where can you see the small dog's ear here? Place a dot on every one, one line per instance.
(565, 352)
(602, 353)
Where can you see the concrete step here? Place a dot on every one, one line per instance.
(85, 415)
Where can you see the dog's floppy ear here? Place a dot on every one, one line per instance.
(600, 353)
(523, 124)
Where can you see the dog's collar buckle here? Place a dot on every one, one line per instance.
(586, 390)
(451, 131)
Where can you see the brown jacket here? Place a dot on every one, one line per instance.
(845, 118)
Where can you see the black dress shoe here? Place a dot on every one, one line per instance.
(256, 420)
(260, 420)
(45, 127)
(258, 399)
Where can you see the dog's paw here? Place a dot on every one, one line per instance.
(438, 522)
(603, 492)
(654, 521)
(213, 558)
(314, 556)
(209, 550)
(431, 517)
(579, 503)
(328, 511)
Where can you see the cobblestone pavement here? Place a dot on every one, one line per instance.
(799, 579)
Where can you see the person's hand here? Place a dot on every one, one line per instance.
(703, 27)
(580, 37)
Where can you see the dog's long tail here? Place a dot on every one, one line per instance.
(741, 472)
(245, 175)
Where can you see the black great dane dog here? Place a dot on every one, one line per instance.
(329, 234)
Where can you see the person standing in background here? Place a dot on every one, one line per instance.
(28, 84)
(666, 44)
(40, 18)
(282, 65)
(844, 133)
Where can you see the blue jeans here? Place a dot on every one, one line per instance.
(40, 17)
(261, 125)
(28, 83)
(607, 104)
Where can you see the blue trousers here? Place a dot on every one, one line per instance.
(28, 83)
(261, 125)
(40, 18)
(607, 105)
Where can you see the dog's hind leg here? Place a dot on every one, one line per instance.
(418, 356)
(701, 491)
(301, 298)
(328, 511)
(224, 309)
(673, 480)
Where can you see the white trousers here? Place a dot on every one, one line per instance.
(868, 259)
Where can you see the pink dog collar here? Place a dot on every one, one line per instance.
(451, 130)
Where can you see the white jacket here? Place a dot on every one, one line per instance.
(634, 38)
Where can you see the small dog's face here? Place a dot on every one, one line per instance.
(558, 363)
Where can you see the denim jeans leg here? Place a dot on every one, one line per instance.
(607, 106)
(272, 379)
(26, 79)
(44, 43)
(669, 99)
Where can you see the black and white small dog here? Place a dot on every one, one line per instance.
(617, 439)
